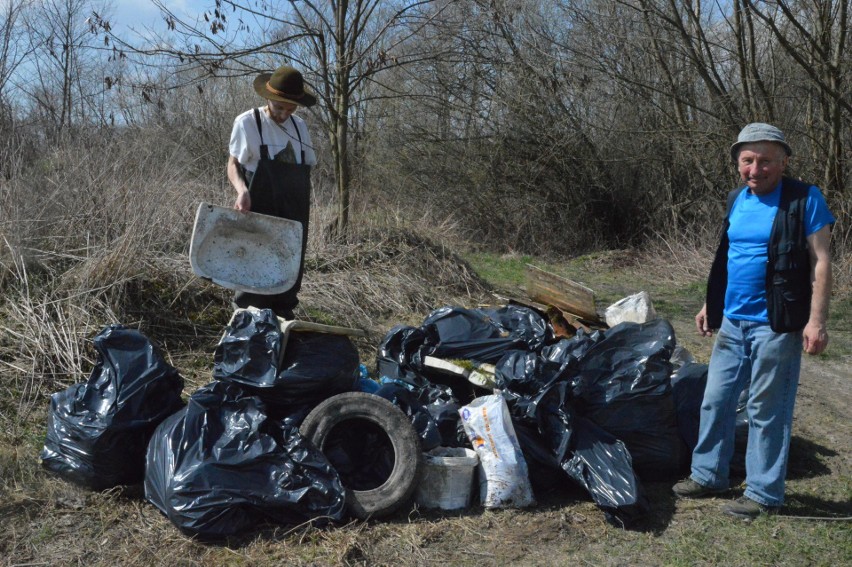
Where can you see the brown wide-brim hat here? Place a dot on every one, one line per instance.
(284, 85)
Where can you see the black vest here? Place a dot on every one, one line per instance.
(788, 268)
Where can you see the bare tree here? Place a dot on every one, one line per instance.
(814, 35)
(13, 48)
(340, 46)
(66, 78)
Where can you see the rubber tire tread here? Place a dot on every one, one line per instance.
(398, 489)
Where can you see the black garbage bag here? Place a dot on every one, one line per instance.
(624, 386)
(523, 373)
(97, 432)
(601, 463)
(399, 355)
(648, 427)
(433, 411)
(221, 467)
(554, 419)
(524, 323)
(249, 353)
(482, 335)
(544, 470)
(688, 385)
(450, 426)
(631, 361)
(422, 421)
(568, 351)
(315, 366)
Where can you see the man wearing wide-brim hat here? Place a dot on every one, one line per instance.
(767, 298)
(269, 166)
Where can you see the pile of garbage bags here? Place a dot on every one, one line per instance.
(604, 409)
(599, 408)
(232, 458)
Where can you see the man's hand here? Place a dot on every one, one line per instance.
(815, 335)
(701, 323)
(243, 202)
(238, 182)
(814, 338)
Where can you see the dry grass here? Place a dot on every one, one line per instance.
(384, 274)
(88, 246)
(679, 259)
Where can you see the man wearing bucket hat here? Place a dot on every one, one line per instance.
(767, 295)
(269, 166)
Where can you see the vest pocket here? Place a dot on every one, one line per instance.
(788, 300)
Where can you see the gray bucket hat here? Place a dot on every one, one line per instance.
(760, 132)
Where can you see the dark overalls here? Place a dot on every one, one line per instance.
(282, 189)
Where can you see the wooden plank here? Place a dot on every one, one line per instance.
(550, 289)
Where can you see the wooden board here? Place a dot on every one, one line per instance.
(571, 297)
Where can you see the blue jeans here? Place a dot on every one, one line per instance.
(744, 351)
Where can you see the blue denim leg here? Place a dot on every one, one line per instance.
(729, 371)
(744, 351)
(776, 360)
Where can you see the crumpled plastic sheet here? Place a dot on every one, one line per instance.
(315, 366)
(97, 431)
(602, 464)
(631, 361)
(483, 335)
(221, 467)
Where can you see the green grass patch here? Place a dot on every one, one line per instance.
(319, 316)
(501, 271)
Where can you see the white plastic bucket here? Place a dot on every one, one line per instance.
(447, 478)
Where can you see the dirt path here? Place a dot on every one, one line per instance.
(824, 410)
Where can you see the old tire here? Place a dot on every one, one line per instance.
(352, 409)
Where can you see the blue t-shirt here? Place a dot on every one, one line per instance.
(751, 224)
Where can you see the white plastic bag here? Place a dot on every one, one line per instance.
(503, 476)
(636, 308)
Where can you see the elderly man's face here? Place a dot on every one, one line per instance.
(761, 165)
(280, 111)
